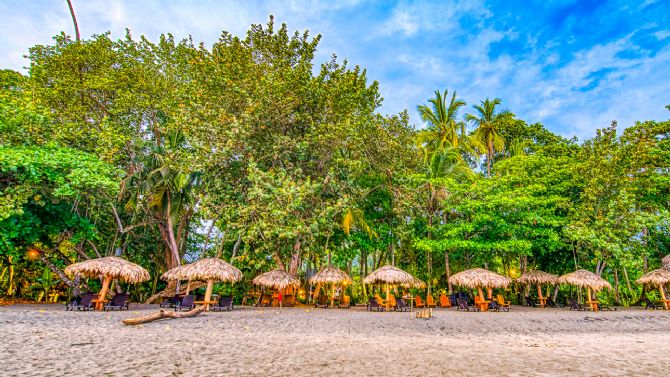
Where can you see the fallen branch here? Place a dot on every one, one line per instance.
(163, 315)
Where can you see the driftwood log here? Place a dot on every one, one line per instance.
(163, 315)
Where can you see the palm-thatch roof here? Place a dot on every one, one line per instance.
(417, 283)
(666, 261)
(114, 267)
(389, 274)
(655, 278)
(584, 278)
(537, 277)
(277, 279)
(479, 277)
(205, 269)
(330, 275)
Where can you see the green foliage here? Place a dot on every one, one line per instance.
(252, 152)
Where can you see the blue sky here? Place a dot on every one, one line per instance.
(573, 65)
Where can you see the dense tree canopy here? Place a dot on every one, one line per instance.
(168, 152)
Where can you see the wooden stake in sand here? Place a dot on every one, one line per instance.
(163, 315)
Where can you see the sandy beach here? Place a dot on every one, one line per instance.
(47, 341)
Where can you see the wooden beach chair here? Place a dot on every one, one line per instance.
(289, 301)
(391, 301)
(430, 302)
(119, 301)
(264, 300)
(444, 301)
(380, 300)
(321, 302)
(503, 304)
(225, 303)
(345, 303)
(418, 302)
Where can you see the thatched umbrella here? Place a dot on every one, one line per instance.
(333, 276)
(277, 279)
(110, 268)
(586, 279)
(657, 278)
(478, 278)
(538, 277)
(390, 275)
(666, 261)
(207, 269)
(417, 283)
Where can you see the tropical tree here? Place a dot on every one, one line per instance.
(487, 132)
(444, 129)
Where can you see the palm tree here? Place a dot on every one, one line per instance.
(487, 123)
(443, 128)
(164, 191)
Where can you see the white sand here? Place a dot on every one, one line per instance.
(47, 341)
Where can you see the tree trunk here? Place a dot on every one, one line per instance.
(236, 247)
(163, 315)
(295, 258)
(74, 20)
(280, 263)
(617, 297)
(76, 288)
(447, 270)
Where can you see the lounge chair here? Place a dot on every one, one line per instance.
(345, 303)
(553, 304)
(374, 305)
(187, 303)
(170, 302)
(418, 302)
(502, 303)
(83, 303)
(463, 305)
(574, 305)
(494, 305)
(225, 303)
(119, 301)
(650, 304)
(289, 301)
(445, 302)
(321, 302)
(430, 302)
(401, 305)
(530, 302)
(264, 300)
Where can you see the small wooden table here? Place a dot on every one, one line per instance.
(594, 305)
(99, 303)
(206, 303)
(483, 306)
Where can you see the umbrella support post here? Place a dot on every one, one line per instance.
(387, 297)
(100, 304)
(208, 293)
(489, 292)
(539, 296)
(666, 304)
(332, 297)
